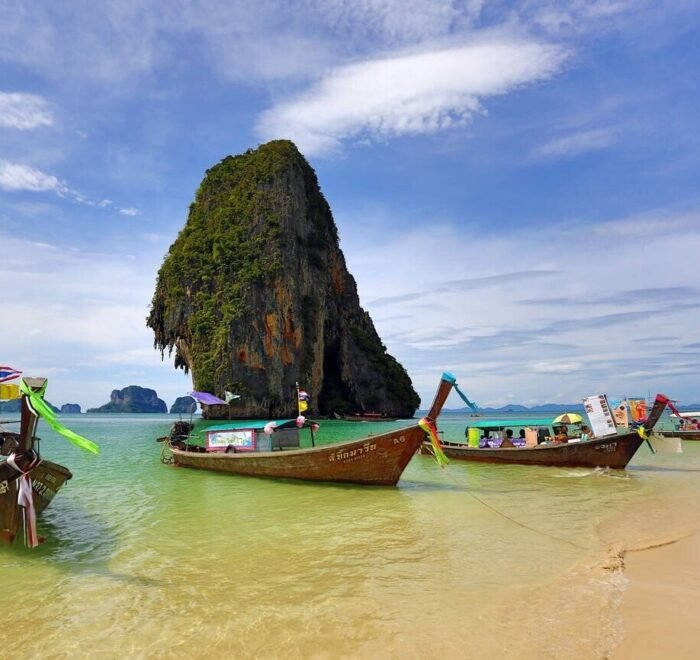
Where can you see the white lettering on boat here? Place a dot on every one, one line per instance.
(43, 490)
(607, 448)
(3, 487)
(348, 455)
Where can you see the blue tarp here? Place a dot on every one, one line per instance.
(522, 422)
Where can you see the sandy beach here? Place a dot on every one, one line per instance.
(661, 602)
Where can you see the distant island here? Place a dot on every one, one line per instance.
(70, 409)
(14, 406)
(545, 407)
(184, 405)
(132, 399)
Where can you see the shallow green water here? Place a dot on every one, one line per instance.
(146, 560)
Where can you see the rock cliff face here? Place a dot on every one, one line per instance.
(133, 399)
(184, 405)
(254, 296)
(70, 408)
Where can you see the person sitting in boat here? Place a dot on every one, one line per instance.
(507, 441)
(562, 436)
(586, 433)
(485, 440)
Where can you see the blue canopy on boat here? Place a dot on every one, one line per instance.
(521, 422)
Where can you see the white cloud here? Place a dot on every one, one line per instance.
(397, 21)
(409, 93)
(15, 177)
(589, 325)
(576, 143)
(121, 42)
(557, 16)
(23, 111)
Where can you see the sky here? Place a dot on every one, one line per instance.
(515, 184)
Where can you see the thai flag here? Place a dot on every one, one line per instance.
(8, 373)
(303, 396)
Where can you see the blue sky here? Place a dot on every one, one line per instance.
(515, 184)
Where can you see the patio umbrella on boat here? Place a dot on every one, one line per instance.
(568, 418)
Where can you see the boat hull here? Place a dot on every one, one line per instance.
(683, 435)
(47, 479)
(377, 460)
(614, 452)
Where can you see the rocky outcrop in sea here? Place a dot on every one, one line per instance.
(254, 296)
(70, 409)
(132, 399)
(184, 405)
(14, 406)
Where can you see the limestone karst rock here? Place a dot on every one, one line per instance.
(254, 296)
(183, 405)
(133, 399)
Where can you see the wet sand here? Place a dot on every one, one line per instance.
(661, 602)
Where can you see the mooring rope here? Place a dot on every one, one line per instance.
(166, 460)
(517, 522)
(524, 526)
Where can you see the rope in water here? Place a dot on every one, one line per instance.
(517, 522)
(524, 526)
(166, 459)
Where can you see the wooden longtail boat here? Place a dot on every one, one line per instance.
(20, 459)
(614, 451)
(28, 482)
(683, 435)
(377, 460)
(686, 424)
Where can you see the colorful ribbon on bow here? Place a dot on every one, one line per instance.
(36, 399)
(429, 427)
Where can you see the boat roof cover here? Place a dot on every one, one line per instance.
(257, 425)
(206, 398)
(507, 423)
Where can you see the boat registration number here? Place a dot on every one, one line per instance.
(607, 448)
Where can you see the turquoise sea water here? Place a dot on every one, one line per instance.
(146, 560)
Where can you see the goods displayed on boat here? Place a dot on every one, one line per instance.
(28, 481)
(272, 449)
